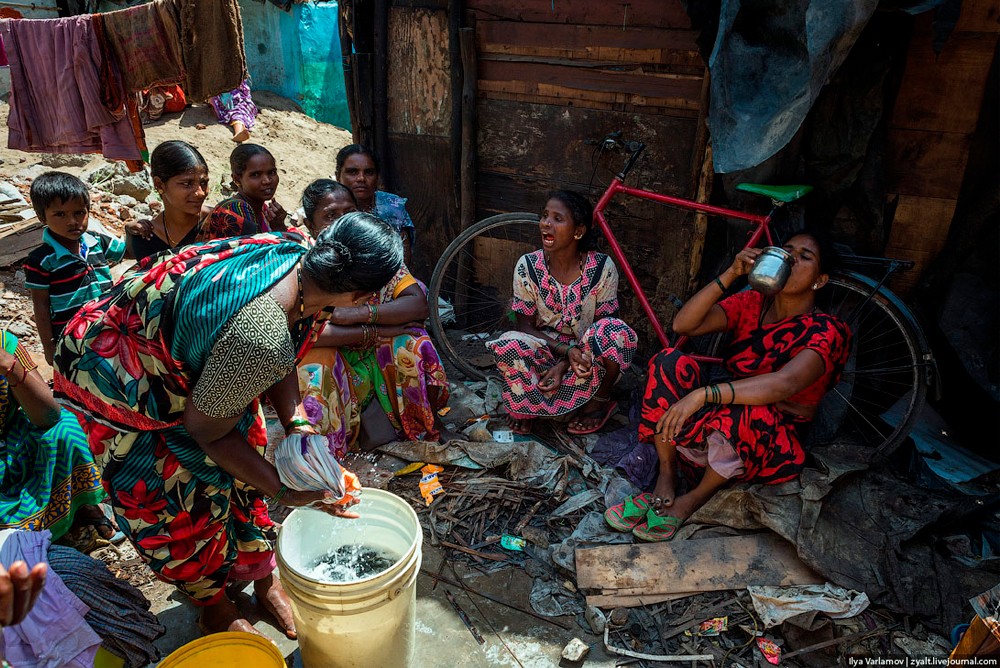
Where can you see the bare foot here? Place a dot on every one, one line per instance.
(224, 616)
(240, 132)
(272, 597)
(665, 489)
(94, 516)
(592, 415)
(682, 507)
(520, 425)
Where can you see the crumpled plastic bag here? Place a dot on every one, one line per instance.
(306, 463)
(776, 604)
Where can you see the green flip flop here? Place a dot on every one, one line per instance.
(627, 516)
(657, 528)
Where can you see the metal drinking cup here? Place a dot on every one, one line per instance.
(770, 271)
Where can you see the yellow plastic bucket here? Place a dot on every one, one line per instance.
(367, 623)
(226, 650)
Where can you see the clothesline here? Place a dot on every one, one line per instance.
(75, 80)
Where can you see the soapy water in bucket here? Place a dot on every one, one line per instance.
(349, 563)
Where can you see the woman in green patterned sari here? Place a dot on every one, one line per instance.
(47, 474)
(165, 375)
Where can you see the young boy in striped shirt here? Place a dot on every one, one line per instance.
(72, 266)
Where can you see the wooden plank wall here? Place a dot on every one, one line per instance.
(548, 79)
(419, 152)
(935, 114)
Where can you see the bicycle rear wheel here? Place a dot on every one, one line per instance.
(890, 367)
(475, 276)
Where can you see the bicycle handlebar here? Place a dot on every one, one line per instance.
(613, 140)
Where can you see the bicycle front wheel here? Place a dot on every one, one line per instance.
(885, 382)
(471, 288)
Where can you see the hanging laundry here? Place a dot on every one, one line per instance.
(145, 43)
(56, 86)
(212, 44)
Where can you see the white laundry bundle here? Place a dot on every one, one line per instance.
(305, 462)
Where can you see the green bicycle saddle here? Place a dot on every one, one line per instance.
(784, 194)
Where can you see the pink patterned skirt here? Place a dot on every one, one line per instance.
(522, 360)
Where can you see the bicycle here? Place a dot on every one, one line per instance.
(883, 387)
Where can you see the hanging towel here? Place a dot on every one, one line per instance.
(144, 41)
(55, 100)
(212, 44)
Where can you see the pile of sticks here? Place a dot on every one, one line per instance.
(477, 510)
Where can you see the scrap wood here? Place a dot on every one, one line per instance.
(465, 618)
(691, 618)
(709, 564)
(475, 553)
(652, 657)
(616, 601)
(18, 239)
(860, 635)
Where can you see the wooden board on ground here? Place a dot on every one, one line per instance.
(19, 239)
(619, 601)
(711, 564)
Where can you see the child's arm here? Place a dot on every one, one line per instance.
(43, 322)
(114, 248)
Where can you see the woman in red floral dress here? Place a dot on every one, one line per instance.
(784, 356)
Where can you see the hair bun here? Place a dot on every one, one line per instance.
(343, 251)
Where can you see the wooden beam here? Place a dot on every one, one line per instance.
(671, 86)
(19, 239)
(594, 43)
(919, 231)
(656, 13)
(944, 91)
(926, 163)
(711, 564)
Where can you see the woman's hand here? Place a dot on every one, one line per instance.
(386, 332)
(275, 215)
(744, 260)
(319, 501)
(349, 315)
(552, 378)
(140, 228)
(581, 361)
(671, 422)
(19, 588)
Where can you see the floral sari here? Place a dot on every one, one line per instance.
(337, 384)
(45, 474)
(127, 365)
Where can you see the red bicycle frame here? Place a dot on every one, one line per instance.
(617, 185)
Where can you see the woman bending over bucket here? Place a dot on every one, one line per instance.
(165, 376)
